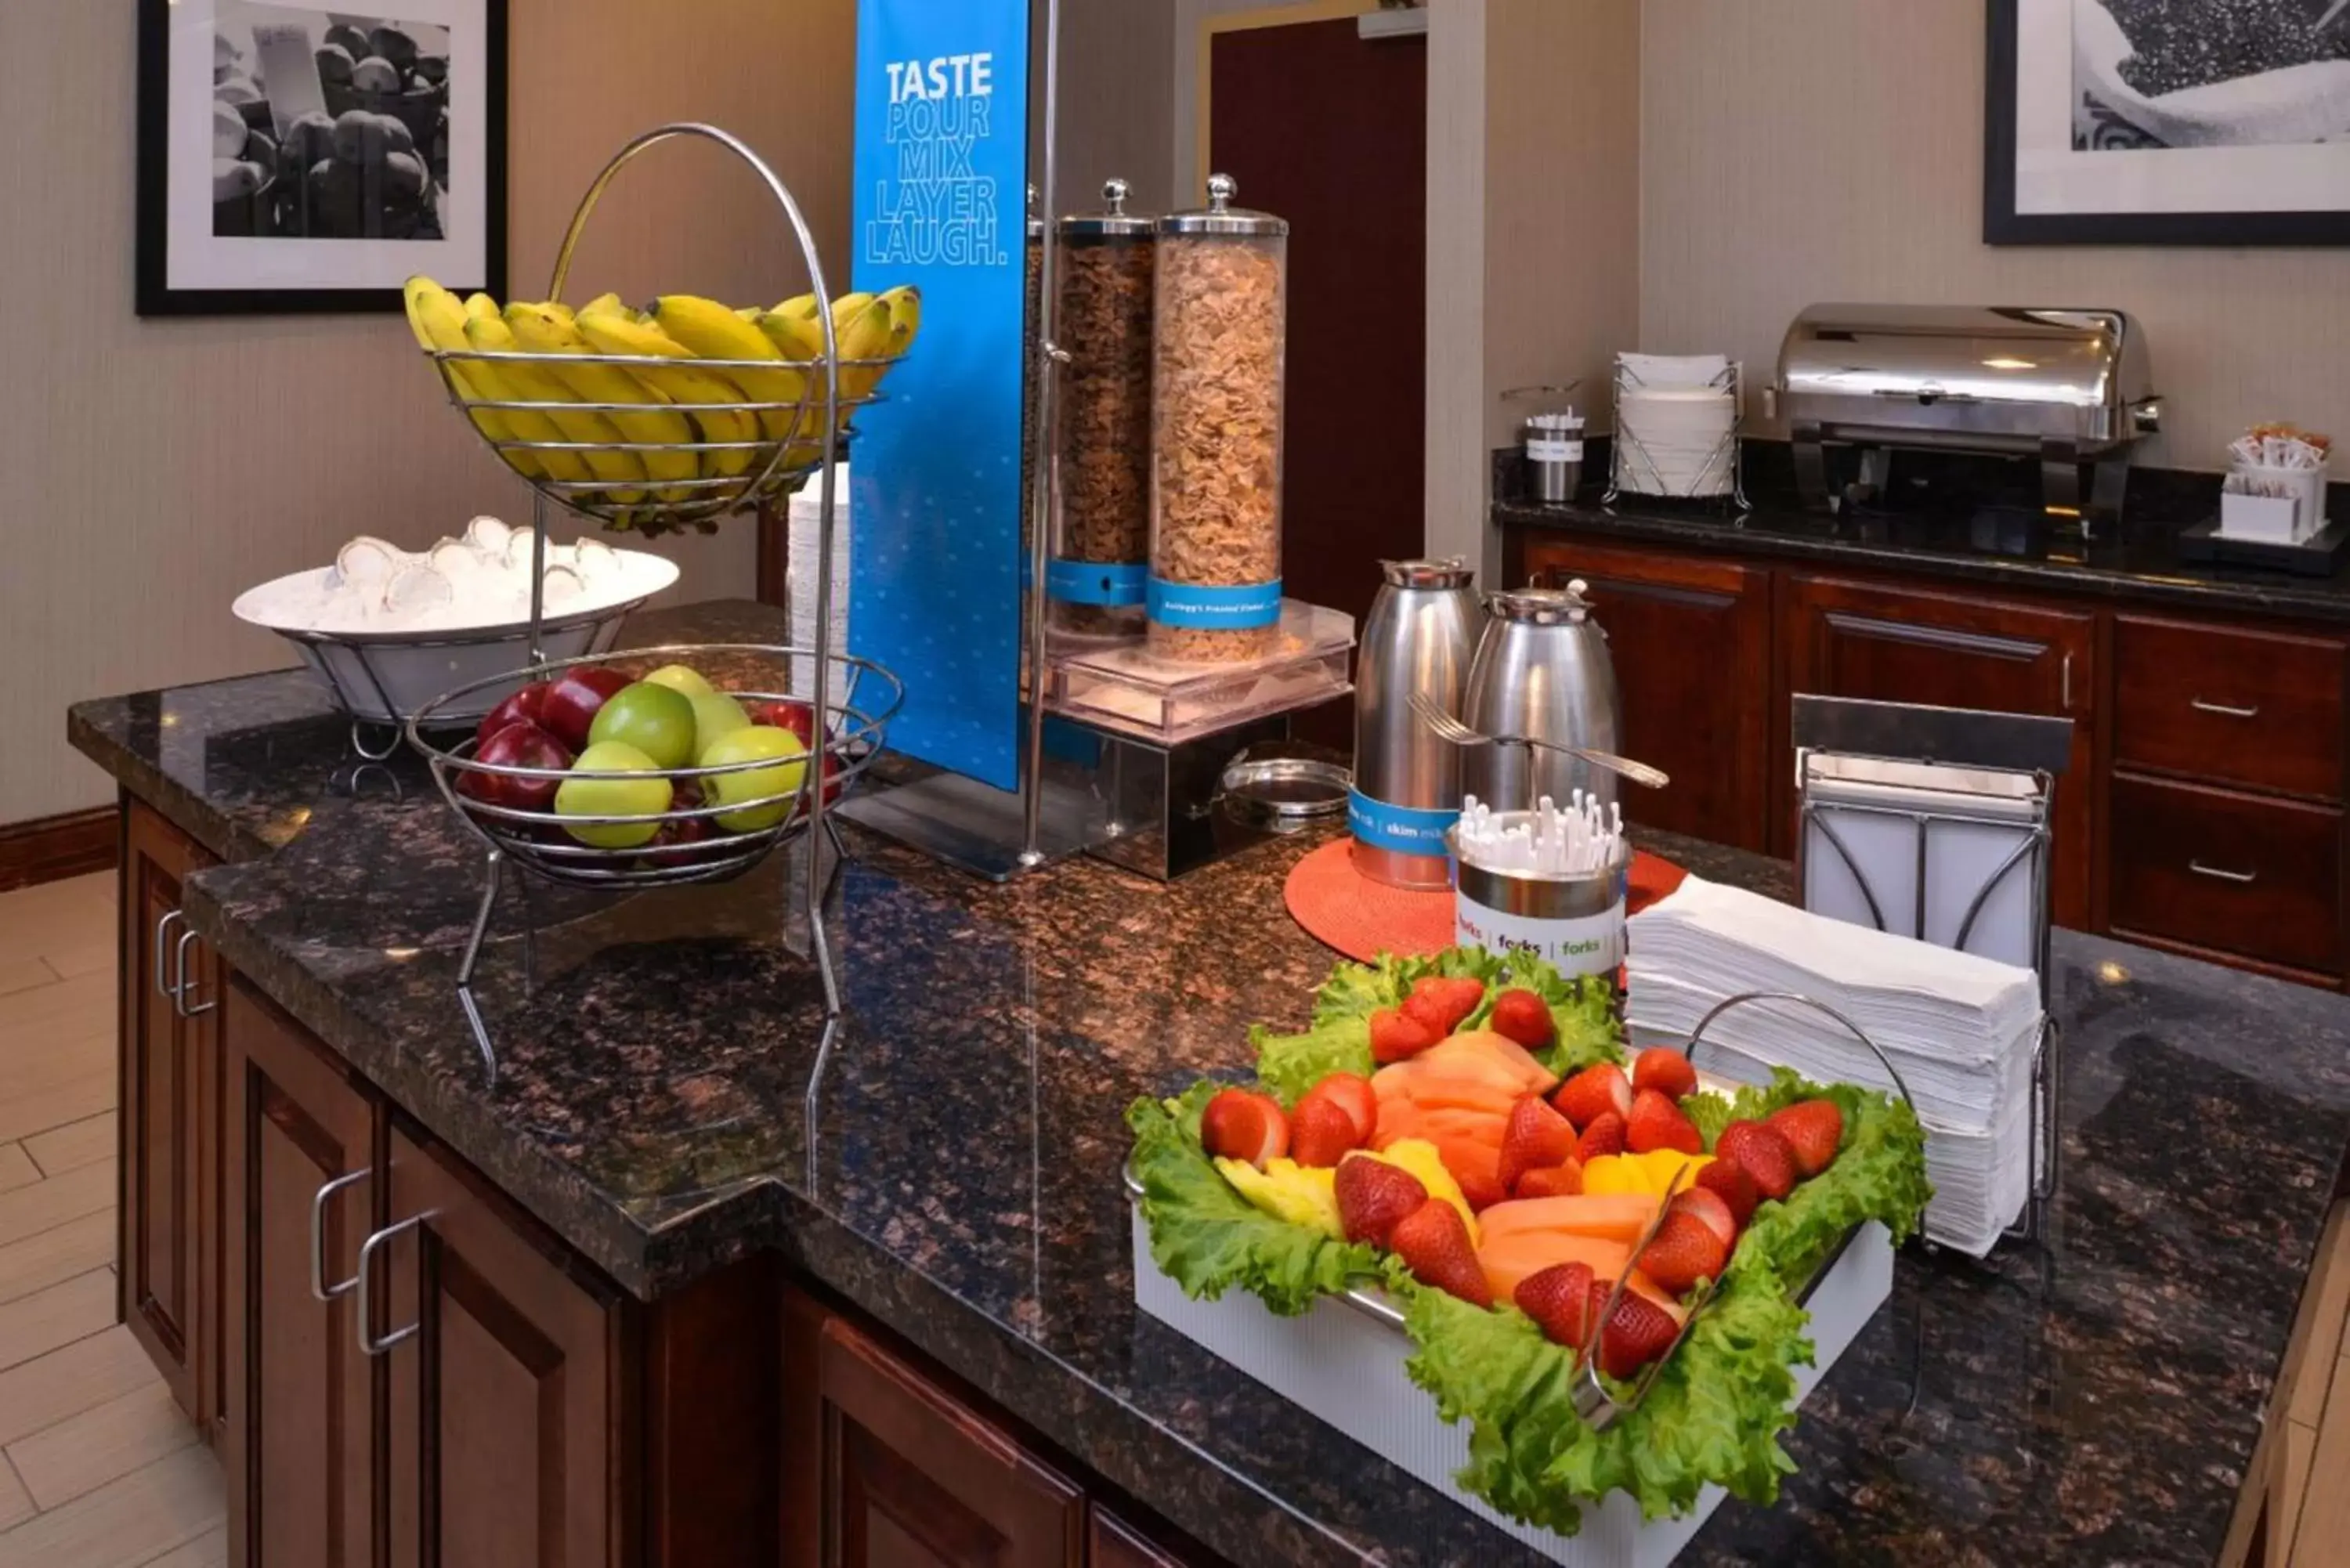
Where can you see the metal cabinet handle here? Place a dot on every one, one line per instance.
(164, 923)
(2068, 684)
(2221, 709)
(319, 1289)
(369, 1344)
(2217, 875)
(181, 984)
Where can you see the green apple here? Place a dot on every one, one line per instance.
(683, 678)
(715, 714)
(656, 719)
(760, 743)
(580, 796)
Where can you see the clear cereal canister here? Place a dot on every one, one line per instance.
(1101, 526)
(1220, 335)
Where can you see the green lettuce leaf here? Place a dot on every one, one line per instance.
(1289, 1064)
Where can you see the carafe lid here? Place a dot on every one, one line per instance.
(1452, 572)
(1221, 219)
(1113, 222)
(1542, 607)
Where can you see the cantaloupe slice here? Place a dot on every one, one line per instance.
(1616, 1216)
(1530, 1075)
(1479, 1127)
(1476, 1165)
(1509, 1259)
(1466, 1078)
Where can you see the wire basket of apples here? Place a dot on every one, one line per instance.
(595, 777)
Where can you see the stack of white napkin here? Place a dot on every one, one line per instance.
(1961, 1030)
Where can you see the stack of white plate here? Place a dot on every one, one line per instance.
(1961, 1031)
(806, 512)
(1676, 419)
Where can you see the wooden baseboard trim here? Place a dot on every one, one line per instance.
(51, 848)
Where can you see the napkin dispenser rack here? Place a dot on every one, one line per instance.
(2069, 386)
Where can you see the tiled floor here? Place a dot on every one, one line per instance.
(98, 1467)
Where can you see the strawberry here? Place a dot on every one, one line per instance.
(1519, 1015)
(1813, 1129)
(1559, 1300)
(1564, 1179)
(1442, 1003)
(1657, 1123)
(1761, 1150)
(1666, 1071)
(1638, 1332)
(1684, 1251)
(1351, 1094)
(1537, 1136)
(1373, 1195)
(1321, 1133)
(1595, 1090)
(1434, 1245)
(1398, 1036)
(1604, 1136)
(1734, 1185)
(1709, 1206)
(1241, 1124)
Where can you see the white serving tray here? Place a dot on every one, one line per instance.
(1340, 1363)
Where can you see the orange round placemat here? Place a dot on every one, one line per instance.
(1343, 908)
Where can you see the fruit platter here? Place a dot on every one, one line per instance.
(1570, 1288)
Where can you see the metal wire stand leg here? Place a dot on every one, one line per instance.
(495, 867)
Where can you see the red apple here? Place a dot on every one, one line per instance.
(571, 704)
(796, 717)
(521, 744)
(526, 705)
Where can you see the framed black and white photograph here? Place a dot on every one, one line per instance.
(2182, 123)
(293, 158)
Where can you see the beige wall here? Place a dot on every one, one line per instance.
(1118, 101)
(155, 469)
(1816, 149)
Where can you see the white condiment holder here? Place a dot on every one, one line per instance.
(2291, 517)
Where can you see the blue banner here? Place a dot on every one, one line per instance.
(941, 202)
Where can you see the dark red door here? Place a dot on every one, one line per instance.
(1330, 130)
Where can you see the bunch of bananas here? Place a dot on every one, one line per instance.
(661, 443)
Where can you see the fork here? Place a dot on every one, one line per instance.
(1451, 729)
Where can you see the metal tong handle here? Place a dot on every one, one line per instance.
(1451, 729)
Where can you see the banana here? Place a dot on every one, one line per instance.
(439, 322)
(750, 313)
(802, 306)
(612, 331)
(603, 302)
(711, 331)
(905, 303)
(865, 336)
(540, 331)
(528, 383)
(848, 307)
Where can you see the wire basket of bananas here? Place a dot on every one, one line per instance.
(673, 416)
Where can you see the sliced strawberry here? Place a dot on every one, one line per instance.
(1537, 1136)
(1398, 1036)
(1707, 1205)
(1373, 1195)
(1433, 1243)
(1559, 1300)
(1242, 1124)
(1657, 1123)
(1684, 1251)
(1604, 1136)
(1813, 1129)
(1762, 1150)
(1441, 1004)
(1638, 1332)
(1351, 1094)
(1321, 1133)
(1564, 1179)
(1666, 1071)
(1592, 1093)
(1519, 1015)
(1734, 1185)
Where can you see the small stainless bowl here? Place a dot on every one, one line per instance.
(1285, 795)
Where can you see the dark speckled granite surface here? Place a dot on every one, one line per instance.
(951, 1164)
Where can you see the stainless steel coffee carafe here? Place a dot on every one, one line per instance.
(1543, 672)
(1419, 636)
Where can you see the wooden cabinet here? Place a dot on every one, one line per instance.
(170, 1106)
(1848, 639)
(1111, 1543)
(299, 1442)
(2214, 871)
(2260, 711)
(1690, 640)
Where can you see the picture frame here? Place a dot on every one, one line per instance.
(2132, 122)
(354, 170)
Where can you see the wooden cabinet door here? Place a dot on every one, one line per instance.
(1951, 650)
(165, 1061)
(507, 1419)
(1111, 1543)
(884, 1467)
(299, 1447)
(1690, 639)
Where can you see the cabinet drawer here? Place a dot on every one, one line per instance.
(2258, 878)
(2251, 708)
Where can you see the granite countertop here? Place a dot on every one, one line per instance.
(666, 1103)
(1970, 532)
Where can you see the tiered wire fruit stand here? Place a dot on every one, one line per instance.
(694, 840)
